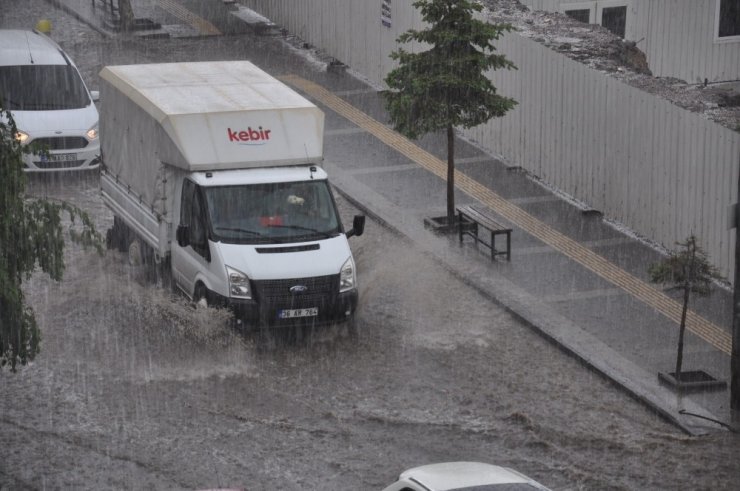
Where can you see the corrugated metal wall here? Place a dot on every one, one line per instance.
(677, 36)
(680, 41)
(661, 170)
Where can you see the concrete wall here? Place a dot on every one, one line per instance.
(661, 170)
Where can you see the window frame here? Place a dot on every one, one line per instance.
(590, 6)
(717, 38)
(596, 9)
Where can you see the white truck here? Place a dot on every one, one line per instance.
(212, 171)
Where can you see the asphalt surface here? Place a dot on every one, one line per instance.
(576, 278)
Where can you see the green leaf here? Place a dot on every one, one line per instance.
(31, 237)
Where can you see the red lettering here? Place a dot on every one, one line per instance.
(248, 135)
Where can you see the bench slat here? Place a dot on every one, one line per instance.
(482, 219)
(474, 216)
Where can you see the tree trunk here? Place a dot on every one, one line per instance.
(450, 175)
(681, 331)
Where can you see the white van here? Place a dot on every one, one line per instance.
(52, 107)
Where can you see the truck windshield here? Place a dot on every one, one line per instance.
(274, 212)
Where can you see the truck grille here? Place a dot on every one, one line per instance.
(62, 142)
(320, 291)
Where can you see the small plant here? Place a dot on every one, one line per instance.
(689, 271)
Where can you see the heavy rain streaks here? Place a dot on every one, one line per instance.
(137, 389)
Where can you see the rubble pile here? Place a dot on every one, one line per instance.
(600, 49)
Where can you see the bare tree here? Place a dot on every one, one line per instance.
(689, 271)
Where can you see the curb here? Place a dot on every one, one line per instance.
(66, 8)
(691, 418)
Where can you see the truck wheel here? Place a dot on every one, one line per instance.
(136, 253)
(162, 272)
(117, 237)
(352, 328)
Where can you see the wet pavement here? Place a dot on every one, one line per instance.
(134, 389)
(575, 294)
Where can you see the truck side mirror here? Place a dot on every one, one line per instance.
(358, 226)
(183, 235)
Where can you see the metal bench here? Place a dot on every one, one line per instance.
(470, 218)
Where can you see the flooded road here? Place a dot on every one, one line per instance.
(135, 389)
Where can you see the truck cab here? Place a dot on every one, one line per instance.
(267, 242)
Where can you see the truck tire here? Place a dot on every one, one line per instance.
(162, 272)
(352, 327)
(118, 236)
(136, 253)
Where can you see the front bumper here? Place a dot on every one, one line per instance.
(331, 310)
(68, 158)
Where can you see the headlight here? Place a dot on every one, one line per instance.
(21, 136)
(238, 284)
(347, 278)
(92, 133)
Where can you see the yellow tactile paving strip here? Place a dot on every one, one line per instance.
(641, 290)
(198, 23)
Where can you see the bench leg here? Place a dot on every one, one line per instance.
(493, 246)
(508, 246)
(460, 225)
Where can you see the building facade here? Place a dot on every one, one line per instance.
(696, 41)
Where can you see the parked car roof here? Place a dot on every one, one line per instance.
(465, 475)
(25, 47)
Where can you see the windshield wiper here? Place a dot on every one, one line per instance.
(242, 230)
(327, 235)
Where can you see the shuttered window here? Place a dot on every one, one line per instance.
(582, 15)
(614, 19)
(728, 21)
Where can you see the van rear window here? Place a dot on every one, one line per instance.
(42, 88)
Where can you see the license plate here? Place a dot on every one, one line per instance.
(59, 157)
(294, 313)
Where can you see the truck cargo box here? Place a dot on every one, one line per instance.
(200, 116)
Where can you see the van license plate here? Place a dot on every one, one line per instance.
(62, 157)
(293, 313)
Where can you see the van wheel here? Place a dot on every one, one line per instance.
(200, 297)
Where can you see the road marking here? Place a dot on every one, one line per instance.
(199, 23)
(587, 258)
(591, 244)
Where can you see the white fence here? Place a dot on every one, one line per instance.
(661, 170)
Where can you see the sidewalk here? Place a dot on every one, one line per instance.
(168, 18)
(578, 280)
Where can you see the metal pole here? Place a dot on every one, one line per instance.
(735, 357)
